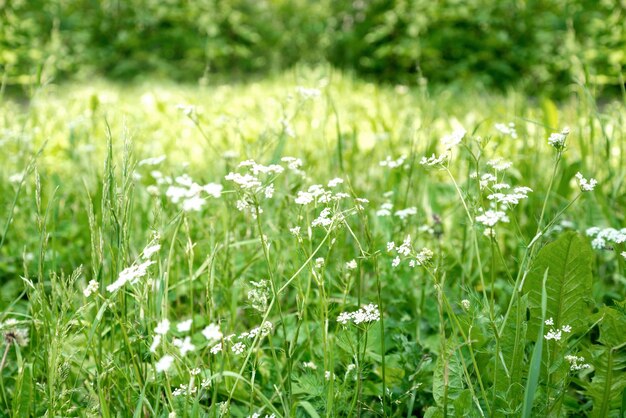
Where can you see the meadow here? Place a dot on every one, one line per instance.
(311, 245)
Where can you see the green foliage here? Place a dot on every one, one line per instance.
(541, 45)
(609, 360)
(459, 335)
(567, 263)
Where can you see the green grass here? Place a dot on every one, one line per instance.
(461, 333)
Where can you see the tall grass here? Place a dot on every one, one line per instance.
(381, 251)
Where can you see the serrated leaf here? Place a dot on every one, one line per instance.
(568, 262)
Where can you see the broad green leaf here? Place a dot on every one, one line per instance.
(447, 379)
(535, 361)
(568, 263)
(609, 379)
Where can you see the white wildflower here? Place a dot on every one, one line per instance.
(557, 140)
(351, 265)
(586, 185)
(335, 182)
(162, 327)
(152, 161)
(491, 217)
(150, 250)
(367, 314)
(238, 348)
(404, 213)
(499, 164)
(164, 363)
(217, 348)
(212, 332)
(184, 326)
(309, 365)
(507, 129)
(184, 345)
(390, 163)
(91, 288)
(576, 363)
(155, 343)
(433, 160)
(454, 139)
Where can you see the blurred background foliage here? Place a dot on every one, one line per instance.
(540, 45)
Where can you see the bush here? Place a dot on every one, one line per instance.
(540, 45)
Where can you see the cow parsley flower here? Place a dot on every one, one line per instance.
(217, 348)
(238, 348)
(586, 185)
(367, 314)
(164, 363)
(557, 140)
(391, 163)
(212, 332)
(576, 363)
(507, 129)
(553, 335)
(91, 288)
(130, 275)
(452, 140)
(351, 265)
(433, 160)
(162, 327)
(499, 164)
(184, 345)
(603, 236)
(155, 343)
(492, 217)
(184, 326)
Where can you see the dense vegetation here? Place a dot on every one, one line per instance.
(542, 46)
(386, 253)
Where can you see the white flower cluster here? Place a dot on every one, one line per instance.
(405, 213)
(152, 161)
(556, 333)
(452, 140)
(351, 265)
(557, 140)
(135, 272)
(576, 363)
(406, 250)
(391, 163)
(367, 314)
(491, 217)
(252, 186)
(507, 129)
(240, 346)
(258, 415)
(433, 160)
(509, 199)
(188, 193)
(183, 389)
(602, 236)
(317, 193)
(499, 164)
(91, 288)
(501, 197)
(586, 185)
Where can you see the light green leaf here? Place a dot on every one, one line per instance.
(568, 262)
